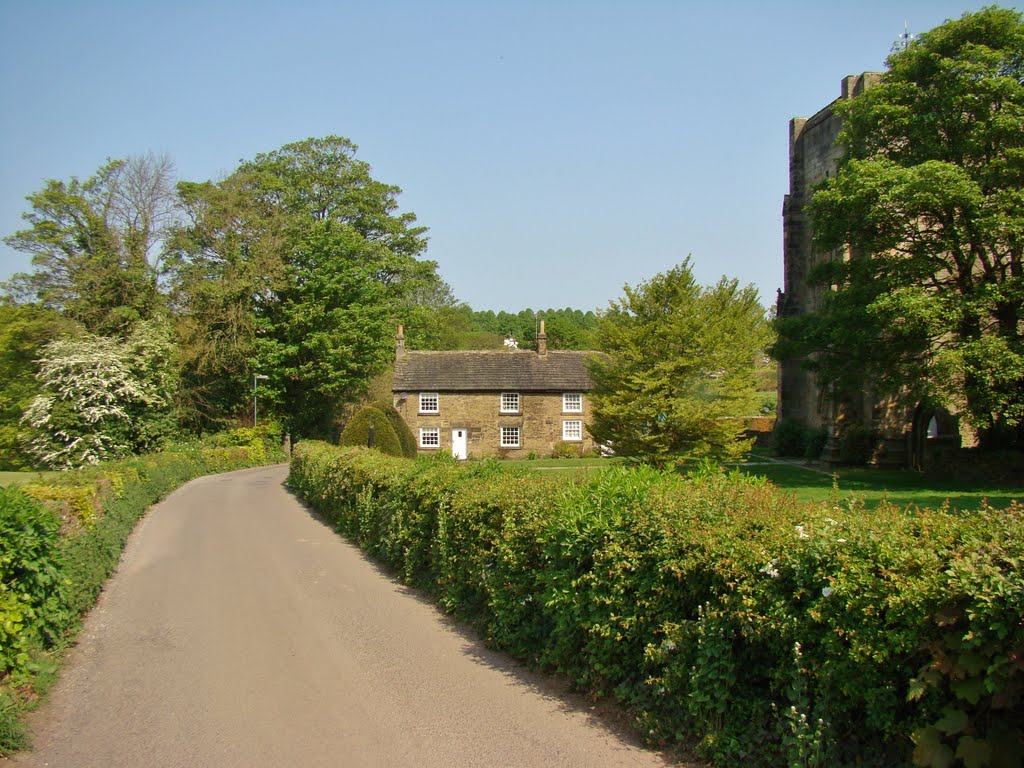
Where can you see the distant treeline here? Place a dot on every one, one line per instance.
(472, 329)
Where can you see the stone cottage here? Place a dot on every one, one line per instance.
(508, 403)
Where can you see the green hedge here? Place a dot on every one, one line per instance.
(725, 614)
(59, 542)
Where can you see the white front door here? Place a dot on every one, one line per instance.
(459, 441)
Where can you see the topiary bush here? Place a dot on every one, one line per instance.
(724, 613)
(405, 435)
(357, 431)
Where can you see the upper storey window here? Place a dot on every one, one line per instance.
(428, 402)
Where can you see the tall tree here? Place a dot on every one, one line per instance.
(95, 244)
(309, 262)
(227, 263)
(929, 200)
(24, 331)
(677, 373)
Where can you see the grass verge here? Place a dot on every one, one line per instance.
(871, 486)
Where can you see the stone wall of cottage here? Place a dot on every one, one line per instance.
(540, 420)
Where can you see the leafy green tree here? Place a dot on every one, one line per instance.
(330, 327)
(24, 331)
(102, 398)
(677, 373)
(308, 263)
(95, 244)
(226, 264)
(929, 200)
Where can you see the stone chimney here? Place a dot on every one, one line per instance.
(399, 341)
(542, 340)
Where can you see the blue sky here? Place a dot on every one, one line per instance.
(555, 150)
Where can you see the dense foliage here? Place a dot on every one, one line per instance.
(929, 198)
(678, 370)
(30, 578)
(565, 328)
(405, 436)
(24, 331)
(102, 398)
(60, 541)
(94, 244)
(723, 612)
(370, 419)
(298, 262)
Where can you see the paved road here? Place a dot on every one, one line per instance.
(240, 631)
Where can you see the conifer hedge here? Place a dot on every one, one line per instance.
(726, 615)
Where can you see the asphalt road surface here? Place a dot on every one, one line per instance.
(241, 631)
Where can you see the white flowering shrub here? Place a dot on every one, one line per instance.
(102, 398)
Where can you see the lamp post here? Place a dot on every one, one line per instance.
(256, 377)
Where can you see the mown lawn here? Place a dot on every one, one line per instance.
(22, 478)
(814, 484)
(872, 486)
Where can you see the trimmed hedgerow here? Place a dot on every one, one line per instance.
(724, 613)
(60, 541)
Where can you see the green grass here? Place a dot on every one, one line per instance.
(590, 463)
(23, 478)
(868, 485)
(872, 486)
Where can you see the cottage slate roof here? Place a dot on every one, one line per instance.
(495, 370)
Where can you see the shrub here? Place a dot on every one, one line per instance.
(30, 578)
(815, 441)
(405, 435)
(566, 450)
(719, 609)
(856, 444)
(789, 438)
(357, 431)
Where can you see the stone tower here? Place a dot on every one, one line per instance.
(813, 157)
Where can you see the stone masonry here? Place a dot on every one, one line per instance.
(495, 397)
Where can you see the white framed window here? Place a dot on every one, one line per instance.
(572, 402)
(428, 402)
(510, 437)
(430, 437)
(572, 430)
(510, 402)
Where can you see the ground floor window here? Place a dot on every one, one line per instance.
(572, 430)
(430, 437)
(510, 437)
